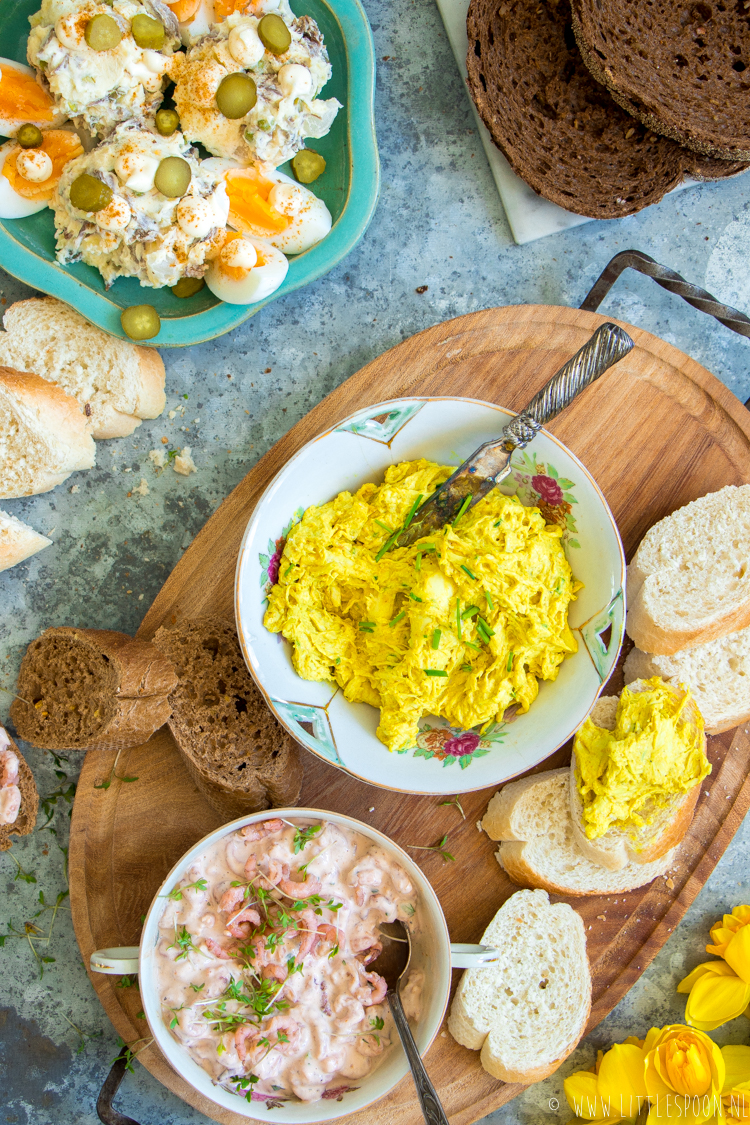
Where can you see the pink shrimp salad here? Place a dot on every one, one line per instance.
(262, 960)
(10, 794)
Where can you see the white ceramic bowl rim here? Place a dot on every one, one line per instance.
(307, 1113)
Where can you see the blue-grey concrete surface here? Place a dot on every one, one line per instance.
(439, 223)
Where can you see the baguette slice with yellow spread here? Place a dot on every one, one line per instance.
(640, 786)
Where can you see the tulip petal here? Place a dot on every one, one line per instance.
(717, 968)
(714, 1001)
(622, 1079)
(582, 1095)
(737, 954)
(737, 1061)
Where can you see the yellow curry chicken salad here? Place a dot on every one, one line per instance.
(461, 624)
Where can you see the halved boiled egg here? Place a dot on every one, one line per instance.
(246, 270)
(29, 176)
(23, 100)
(196, 17)
(269, 205)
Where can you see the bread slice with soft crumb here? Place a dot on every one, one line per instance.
(717, 673)
(647, 843)
(531, 817)
(526, 1012)
(116, 383)
(44, 436)
(689, 582)
(18, 541)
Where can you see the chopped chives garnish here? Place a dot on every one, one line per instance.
(436, 639)
(498, 522)
(428, 547)
(290, 567)
(489, 599)
(397, 618)
(414, 598)
(418, 561)
(481, 621)
(367, 626)
(471, 644)
(468, 572)
(387, 545)
(483, 635)
(510, 661)
(384, 526)
(412, 511)
(466, 667)
(435, 672)
(470, 611)
(462, 509)
(458, 618)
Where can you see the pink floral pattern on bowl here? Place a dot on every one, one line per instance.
(539, 484)
(436, 739)
(269, 561)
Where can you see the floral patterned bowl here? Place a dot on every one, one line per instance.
(444, 760)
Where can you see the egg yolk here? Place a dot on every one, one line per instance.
(61, 147)
(22, 99)
(224, 8)
(184, 10)
(239, 273)
(249, 209)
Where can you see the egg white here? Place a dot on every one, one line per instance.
(308, 227)
(9, 126)
(259, 282)
(13, 205)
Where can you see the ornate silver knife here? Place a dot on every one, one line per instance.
(490, 464)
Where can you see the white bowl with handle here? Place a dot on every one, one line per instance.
(444, 760)
(432, 951)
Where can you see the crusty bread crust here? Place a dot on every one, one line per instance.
(26, 819)
(682, 126)
(510, 855)
(151, 397)
(18, 541)
(45, 408)
(530, 1074)
(650, 637)
(144, 677)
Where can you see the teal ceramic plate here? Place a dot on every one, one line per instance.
(349, 187)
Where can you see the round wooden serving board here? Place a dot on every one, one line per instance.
(656, 431)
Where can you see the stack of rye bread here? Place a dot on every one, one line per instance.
(82, 689)
(603, 107)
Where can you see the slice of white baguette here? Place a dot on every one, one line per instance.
(617, 848)
(717, 673)
(44, 436)
(689, 581)
(116, 383)
(532, 819)
(18, 541)
(528, 1011)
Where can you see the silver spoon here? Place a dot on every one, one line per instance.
(393, 964)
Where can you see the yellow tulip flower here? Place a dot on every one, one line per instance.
(720, 990)
(684, 1075)
(615, 1090)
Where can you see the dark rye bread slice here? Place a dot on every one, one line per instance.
(240, 758)
(84, 688)
(559, 129)
(26, 819)
(680, 67)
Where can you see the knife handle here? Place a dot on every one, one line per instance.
(607, 345)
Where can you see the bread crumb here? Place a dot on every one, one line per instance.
(479, 826)
(172, 414)
(602, 917)
(140, 597)
(158, 457)
(372, 809)
(128, 470)
(184, 464)
(142, 488)
(165, 441)
(75, 489)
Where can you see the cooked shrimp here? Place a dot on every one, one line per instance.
(251, 867)
(217, 950)
(245, 1049)
(275, 972)
(264, 828)
(370, 1045)
(308, 934)
(9, 764)
(287, 1032)
(231, 899)
(310, 886)
(375, 994)
(275, 872)
(241, 925)
(367, 956)
(328, 935)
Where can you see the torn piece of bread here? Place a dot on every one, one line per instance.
(18, 541)
(531, 818)
(717, 673)
(689, 582)
(116, 383)
(82, 688)
(44, 436)
(528, 1011)
(666, 825)
(19, 799)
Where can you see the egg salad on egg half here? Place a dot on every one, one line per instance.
(287, 109)
(142, 233)
(462, 624)
(100, 88)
